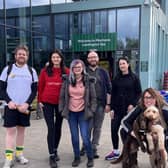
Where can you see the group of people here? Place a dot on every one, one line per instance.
(80, 94)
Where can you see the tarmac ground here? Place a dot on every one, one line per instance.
(37, 153)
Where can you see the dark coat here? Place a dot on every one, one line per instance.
(90, 97)
(126, 90)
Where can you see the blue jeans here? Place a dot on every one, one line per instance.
(76, 121)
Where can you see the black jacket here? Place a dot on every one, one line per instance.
(126, 90)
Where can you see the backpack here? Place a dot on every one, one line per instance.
(10, 69)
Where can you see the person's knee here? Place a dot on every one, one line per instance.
(11, 131)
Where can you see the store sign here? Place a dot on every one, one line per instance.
(100, 42)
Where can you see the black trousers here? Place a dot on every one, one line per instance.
(115, 125)
(54, 124)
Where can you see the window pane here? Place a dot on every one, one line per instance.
(86, 22)
(100, 22)
(112, 21)
(128, 34)
(41, 36)
(1, 11)
(40, 2)
(1, 4)
(57, 1)
(41, 40)
(16, 4)
(2, 45)
(61, 31)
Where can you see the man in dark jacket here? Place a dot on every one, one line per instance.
(103, 91)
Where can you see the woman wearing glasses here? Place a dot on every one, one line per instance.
(150, 97)
(77, 104)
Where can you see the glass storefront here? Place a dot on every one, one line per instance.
(43, 30)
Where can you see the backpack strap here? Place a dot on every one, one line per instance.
(9, 71)
(31, 72)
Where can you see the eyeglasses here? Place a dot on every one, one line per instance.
(77, 67)
(149, 97)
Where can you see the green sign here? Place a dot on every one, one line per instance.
(100, 41)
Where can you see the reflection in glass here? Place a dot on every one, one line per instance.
(16, 25)
(16, 4)
(1, 4)
(111, 21)
(40, 2)
(64, 1)
(41, 27)
(128, 34)
(86, 22)
(2, 45)
(1, 11)
(41, 40)
(61, 31)
(100, 22)
(58, 1)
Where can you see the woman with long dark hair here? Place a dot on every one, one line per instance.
(50, 82)
(126, 91)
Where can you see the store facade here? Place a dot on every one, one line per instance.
(137, 29)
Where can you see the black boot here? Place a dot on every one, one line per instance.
(95, 154)
(76, 162)
(82, 152)
(57, 158)
(90, 163)
(53, 163)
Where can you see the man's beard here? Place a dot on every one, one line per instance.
(20, 62)
(93, 65)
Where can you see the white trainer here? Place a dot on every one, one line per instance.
(8, 164)
(21, 159)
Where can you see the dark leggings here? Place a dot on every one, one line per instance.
(115, 125)
(54, 124)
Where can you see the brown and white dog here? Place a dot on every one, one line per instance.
(128, 156)
(156, 138)
(149, 136)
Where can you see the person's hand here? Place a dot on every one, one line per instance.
(112, 114)
(23, 108)
(41, 106)
(107, 108)
(133, 134)
(12, 105)
(130, 107)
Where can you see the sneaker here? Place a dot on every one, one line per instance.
(21, 159)
(8, 164)
(112, 156)
(76, 162)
